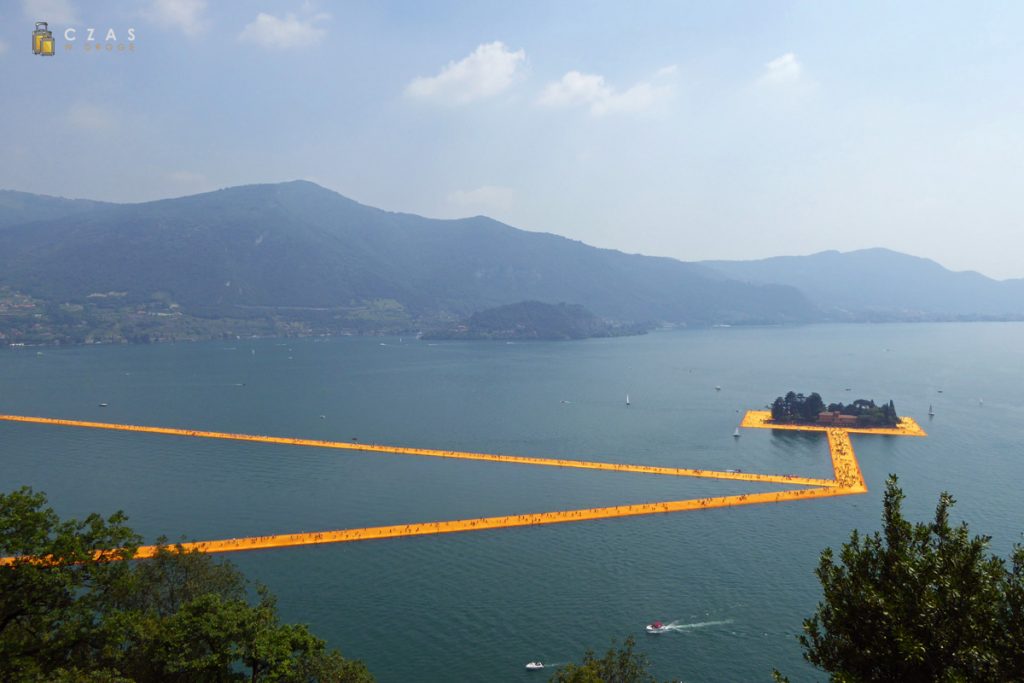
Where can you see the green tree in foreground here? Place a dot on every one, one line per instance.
(918, 602)
(618, 665)
(180, 616)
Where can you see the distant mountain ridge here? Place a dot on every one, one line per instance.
(295, 258)
(880, 284)
(296, 246)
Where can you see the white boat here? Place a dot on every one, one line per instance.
(533, 666)
(656, 627)
(718, 388)
(627, 399)
(736, 432)
(104, 405)
(931, 413)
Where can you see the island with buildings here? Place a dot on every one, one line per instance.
(794, 408)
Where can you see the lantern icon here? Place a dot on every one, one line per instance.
(42, 40)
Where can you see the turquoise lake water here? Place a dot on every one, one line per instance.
(478, 606)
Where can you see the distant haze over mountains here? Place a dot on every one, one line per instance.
(879, 284)
(290, 248)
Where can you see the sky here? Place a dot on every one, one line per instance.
(696, 130)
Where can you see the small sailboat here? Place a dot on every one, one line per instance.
(736, 433)
(931, 412)
(627, 399)
(534, 666)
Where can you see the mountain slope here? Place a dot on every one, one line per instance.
(881, 284)
(299, 245)
(23, 207)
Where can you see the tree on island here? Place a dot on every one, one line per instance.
(795, 407)
(180, 616)
(918, 602)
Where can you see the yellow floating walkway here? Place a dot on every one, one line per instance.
(431, 452)
(847, 480)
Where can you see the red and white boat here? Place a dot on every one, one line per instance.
(656, 627)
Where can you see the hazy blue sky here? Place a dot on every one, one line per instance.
(693, 130)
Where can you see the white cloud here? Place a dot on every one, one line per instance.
(186, 15)
(92, 117)
(52, 11)
(269, 31)
(782, 70)
(576, 89)
(488, 70)
(486, 198)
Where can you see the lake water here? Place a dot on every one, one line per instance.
(478, 606)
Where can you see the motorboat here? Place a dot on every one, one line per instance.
(534, 666)
(656, 627)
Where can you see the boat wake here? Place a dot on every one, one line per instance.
(683, 628)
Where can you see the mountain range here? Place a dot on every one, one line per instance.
(299, 255)
(879, 284)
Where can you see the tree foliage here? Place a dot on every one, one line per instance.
(48, 609)
(918, 602)
(178, 617)
(794, 407)
(618, 665)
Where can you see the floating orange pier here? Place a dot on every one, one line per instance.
(847, 480)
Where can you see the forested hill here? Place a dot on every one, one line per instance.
(529, 320)
(297, 250)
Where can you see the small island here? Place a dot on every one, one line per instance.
(534, 320)
(794, 408)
